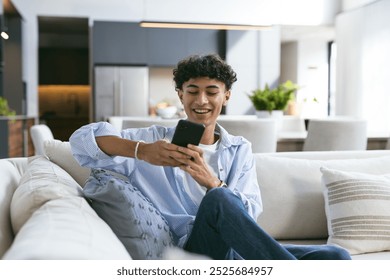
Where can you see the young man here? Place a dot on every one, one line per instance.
(209, 193)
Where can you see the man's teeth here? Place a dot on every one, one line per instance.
(200, 111)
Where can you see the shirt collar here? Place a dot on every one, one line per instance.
(228, 140)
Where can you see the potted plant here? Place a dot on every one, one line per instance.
(269, 102)
(4, 108)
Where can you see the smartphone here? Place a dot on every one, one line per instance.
(187, 133)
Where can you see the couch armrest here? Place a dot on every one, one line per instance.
(10, 172)
(66, 228)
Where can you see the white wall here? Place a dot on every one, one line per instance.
(289, 61)
(161, 86)
(353, 4)
(255, 56)
(313, 78)
(305, 63)
(307, 12)
(363, 64)
(245, 67)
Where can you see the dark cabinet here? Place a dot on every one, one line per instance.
(206, 41)
(167, 46)
(119, 43)
(123, 43)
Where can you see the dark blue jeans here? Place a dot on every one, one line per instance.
(224, 230)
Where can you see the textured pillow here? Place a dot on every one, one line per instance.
(293, 195)
(61, 154)
(132, 217)
(42, 182)
(358, 210)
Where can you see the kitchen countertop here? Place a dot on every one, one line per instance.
(283, 135)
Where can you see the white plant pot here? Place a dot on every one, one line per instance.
(277, 115)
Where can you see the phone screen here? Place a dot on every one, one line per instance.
(187, 133)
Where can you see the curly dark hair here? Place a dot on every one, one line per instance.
(211, 65)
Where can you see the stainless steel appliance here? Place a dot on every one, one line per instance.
(121, 91)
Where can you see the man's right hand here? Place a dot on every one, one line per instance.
(160, 153)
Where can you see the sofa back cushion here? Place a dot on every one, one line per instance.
(292, 192)
(52, 219)
(43, 181)
(60, 153)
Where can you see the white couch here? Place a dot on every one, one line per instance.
(44, 216)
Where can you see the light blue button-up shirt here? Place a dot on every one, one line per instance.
(163, 185)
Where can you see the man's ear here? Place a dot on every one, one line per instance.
(227, 97)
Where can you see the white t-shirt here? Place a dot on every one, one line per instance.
(193, 189)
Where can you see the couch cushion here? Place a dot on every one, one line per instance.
(42, 182)
(137, 223)
(292, 192)
(61, 154)
(10, 172)
(358, 210)
(66, 228)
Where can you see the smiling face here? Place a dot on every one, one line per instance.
(203, 83)
(203, 99)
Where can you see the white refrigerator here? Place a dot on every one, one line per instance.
(120, 91)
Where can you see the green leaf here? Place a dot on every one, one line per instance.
(273, 99)
(4, 108)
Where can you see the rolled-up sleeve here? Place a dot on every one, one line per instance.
(84, 146)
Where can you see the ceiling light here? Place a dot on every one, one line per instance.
(215, 26)
(3, 27)
(4, 35)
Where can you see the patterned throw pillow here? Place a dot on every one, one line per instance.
(137, 223)
(358, 210)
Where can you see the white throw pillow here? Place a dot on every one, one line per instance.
(358, 210)
(61, 154)
(293, 195)
(43, 181)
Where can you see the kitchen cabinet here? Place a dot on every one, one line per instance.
(64, 108)
(167, 46)
(124, 43)
(63, 127)
(118, 43)
(206, 41)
